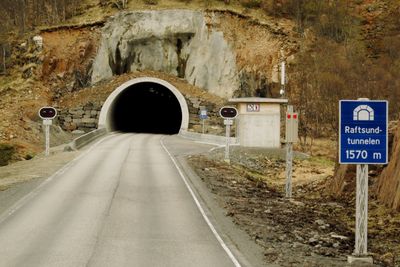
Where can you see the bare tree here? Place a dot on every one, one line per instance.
(4, 55)
(4, 59)
(23, 15)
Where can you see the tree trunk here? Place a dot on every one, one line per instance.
(23, 15)
(55, 11)
(4, 59)
(64, 10)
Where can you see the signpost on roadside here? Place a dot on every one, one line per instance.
(47, 114)
(229, 114)
(363, 140)
(292, 136)
(203, 116)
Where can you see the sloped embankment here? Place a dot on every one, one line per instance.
(389, 182)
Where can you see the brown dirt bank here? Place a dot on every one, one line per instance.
(312, 229)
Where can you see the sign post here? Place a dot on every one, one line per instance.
(227, 123)
(360, 249)
(292, 122)
(47, 114)
(203, 116)
(363, 140)
(228, 114)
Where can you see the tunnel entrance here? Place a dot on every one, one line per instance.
(145, 105)
(146, 108)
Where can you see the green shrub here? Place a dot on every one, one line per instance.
(29, 156)
(6, 153)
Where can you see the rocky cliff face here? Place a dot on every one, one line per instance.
(176, 42)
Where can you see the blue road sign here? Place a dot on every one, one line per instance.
(203, 114)
(363, 132)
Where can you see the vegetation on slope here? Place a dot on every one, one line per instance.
(6, 153)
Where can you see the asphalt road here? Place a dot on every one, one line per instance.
(121, 203)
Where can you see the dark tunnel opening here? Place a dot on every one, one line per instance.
(146, 108)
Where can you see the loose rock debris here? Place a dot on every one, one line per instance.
(312, 229)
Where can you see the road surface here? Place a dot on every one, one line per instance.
(122, 203)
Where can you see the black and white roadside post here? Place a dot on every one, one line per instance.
(228, 114)
(203, 116)
(363, 140)
(292, 122)
(47, 114)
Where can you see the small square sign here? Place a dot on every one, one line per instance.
(254, 107)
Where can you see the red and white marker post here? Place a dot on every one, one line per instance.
(292, 126)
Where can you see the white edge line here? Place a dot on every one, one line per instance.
(214, 148)
(205, 142)
(20, 203)
(210, 225)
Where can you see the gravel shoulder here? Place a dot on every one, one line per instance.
(312, 229)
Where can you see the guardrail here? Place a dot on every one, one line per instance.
(85, 139)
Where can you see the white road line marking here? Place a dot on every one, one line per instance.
(214, 148)
(210, 225)
(20, 203)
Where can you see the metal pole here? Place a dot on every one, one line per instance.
(289, 160)
(228, 133)
(47, 134)
(289, 169)
(361, 211)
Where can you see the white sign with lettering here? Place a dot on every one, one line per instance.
(253, 107)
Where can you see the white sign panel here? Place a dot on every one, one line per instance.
(254, 107)
(228, 122)
(292, 127)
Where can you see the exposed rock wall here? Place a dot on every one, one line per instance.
(254, 85)
(176, 42)
(83, 118)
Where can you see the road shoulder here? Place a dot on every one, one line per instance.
(20, 178)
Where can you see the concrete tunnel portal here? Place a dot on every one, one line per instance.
(145, 105)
